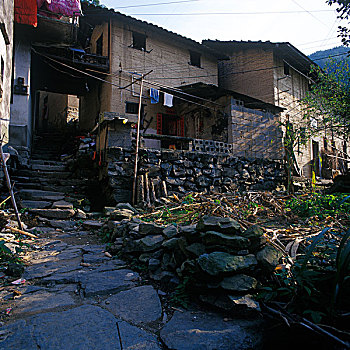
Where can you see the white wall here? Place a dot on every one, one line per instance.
(21, 120)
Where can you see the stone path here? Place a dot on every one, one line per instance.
(75, 297)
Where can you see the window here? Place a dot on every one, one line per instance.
(133, 108)
(286, 68)
(195, 59)
(139, 41)
(99, 45)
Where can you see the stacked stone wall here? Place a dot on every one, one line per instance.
(186, 171)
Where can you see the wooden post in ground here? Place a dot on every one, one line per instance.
(137, 145)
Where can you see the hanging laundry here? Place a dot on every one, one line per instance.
(69, 8)
(26, 12)
(168, 100)
(154, 93)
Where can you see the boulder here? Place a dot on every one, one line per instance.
(127, 206)
(121, 214)
(239, 283)
(217, 238)
(256, 236)
(170, 231)
(171, 244)
(269, 257)
(218, 224)
(148, 243)
(150, 228)
(217, 263)
(196, 249)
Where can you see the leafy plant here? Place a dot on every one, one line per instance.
(319, 205)
(181, 297)
(312, 285)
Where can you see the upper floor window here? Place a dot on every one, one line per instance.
(286, 69)
(195, 59)
(139, 41)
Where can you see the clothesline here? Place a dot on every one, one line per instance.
(155, 95)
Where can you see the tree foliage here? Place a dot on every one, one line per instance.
(344, 13)
(327, 104)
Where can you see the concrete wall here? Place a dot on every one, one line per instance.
(255, 134)
(6, 51)
(21, 109)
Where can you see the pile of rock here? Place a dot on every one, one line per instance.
(221, 262)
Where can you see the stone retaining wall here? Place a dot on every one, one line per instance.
(185, 171)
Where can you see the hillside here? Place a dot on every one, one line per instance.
(338, 53)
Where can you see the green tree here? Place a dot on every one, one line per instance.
(344, 14)
(327, 104)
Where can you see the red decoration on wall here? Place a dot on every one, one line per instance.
(181, 126)
(26, 12)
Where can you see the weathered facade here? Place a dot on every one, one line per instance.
(6, 51)
(277, 73)
(134, 48)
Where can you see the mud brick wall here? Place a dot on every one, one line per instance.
(185, 171)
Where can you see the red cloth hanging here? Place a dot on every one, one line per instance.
(69, 8)
(26, 12)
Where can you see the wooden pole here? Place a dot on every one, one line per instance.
(8, 181)
(137, 145)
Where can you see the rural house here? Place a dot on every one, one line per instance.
(279, 73)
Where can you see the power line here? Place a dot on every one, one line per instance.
(226, 13)
(157, 4)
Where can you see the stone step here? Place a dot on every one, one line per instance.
(47, 187)
(48, 162)
(29, 185)
(34, 194)
(54, 213)
(48, 167)
(31, 204)
(49, 174)
(24, 179)
(45, 157)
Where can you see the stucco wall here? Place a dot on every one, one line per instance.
(6, 17)
(21, 110)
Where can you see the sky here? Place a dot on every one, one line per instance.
(309, 25)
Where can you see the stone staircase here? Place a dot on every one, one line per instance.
(47, 186)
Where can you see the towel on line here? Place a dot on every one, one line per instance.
(154, 93)
(168, 100)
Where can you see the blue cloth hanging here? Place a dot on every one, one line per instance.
(154, 95)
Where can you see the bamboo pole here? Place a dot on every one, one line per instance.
(21, 232)
(137, 145)
(137, 135)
